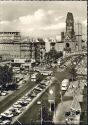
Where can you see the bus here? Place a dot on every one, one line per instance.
(65, 84)
(34, 77)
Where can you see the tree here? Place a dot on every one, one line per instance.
(52, 56)
(6, 75)
(45, 113)
(73, 73)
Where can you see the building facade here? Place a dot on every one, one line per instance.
(12, 36)
(69, 38)
(31, 50)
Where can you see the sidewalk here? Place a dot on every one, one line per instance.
(68, 104)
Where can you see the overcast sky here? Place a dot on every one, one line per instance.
(41, 18)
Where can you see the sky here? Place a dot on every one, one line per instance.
(41, 18)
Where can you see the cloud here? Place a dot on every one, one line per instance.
(39, 23)
(55, 26)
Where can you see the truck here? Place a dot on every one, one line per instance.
(64, 84)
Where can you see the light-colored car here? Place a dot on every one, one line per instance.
(7, 115)
(38, 88)
(16, 111)
(4, 93)
(6, 122)
(17, 105)
(24, 97)
(28, 99)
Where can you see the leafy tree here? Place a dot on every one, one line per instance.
(52, 56)
(73, 73)
(6, 75)
(44, 113)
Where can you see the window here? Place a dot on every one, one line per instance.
(52, 106)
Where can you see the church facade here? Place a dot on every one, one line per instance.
(69, 37)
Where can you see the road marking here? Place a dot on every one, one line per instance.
(19, 122)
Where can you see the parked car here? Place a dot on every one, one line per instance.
(24, 97)
(23, 103)
(39, 88)
(17, 105)
(6, 117)
(4, 93)
(15, 111)
(31, 95)
(7, 114)
(6, 122)
(43, 84)
(28, 99)
(35, 91)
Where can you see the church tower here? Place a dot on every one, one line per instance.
(70, 25)
(69, 37)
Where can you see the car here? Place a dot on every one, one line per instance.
(47, 83)
(38, 88)
(24, 103)
(25, 97)
(28, 99)
(16, 111)
(31, 95)
(20, 101)
(7, 114)
(4, 93)
(5, 117)
(41, 86)
(17, 105)
(36, 91)
(6, 122)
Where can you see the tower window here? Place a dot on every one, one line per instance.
(67, 45)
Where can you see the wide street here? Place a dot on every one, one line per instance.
(10, 99)
(32, 113)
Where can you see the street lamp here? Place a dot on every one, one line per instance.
(61, 94)
(39, 103)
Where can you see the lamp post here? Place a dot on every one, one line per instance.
(41, 118)
(61, 94)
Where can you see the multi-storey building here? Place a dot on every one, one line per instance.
(30, 49)
(9, 50)
(40, 50)
(12, 36)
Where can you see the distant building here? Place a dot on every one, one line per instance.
(32, 50)
(12, 36)
(52, 45)
(78, 34)
(9, 50)
(41, 50)
(59, 46)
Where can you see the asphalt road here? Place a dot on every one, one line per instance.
(7, 102)
(33, 114)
